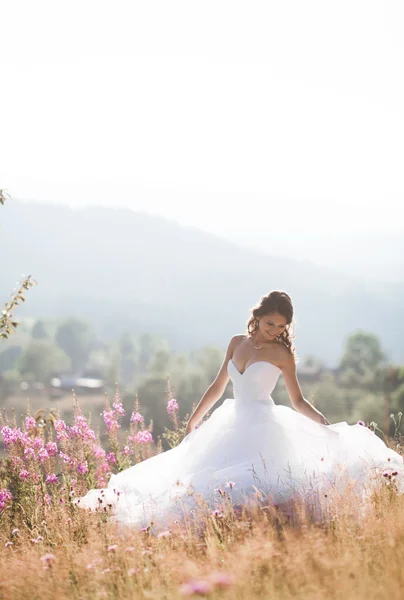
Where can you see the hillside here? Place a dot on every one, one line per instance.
(125, 270)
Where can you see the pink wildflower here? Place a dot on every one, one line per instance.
(110, 420)
(81, 429)
(30, 424)
(142, 437)
(136, 417)
(111, 417)
(37, 443)
(196, 586)
(29, 453)
(111, 458)
(47, 560)
(52, 478)
(99, 452)
(43, 455)
(118, 408)
(65, 457)
(24, 474)
(62, 430)
(112, 548)
(82, 468)
(11, 436)
(172, 406)
(51, 448)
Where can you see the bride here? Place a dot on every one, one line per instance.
(250, 447)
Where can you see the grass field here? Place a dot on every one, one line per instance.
(249, 556)
(52, 549)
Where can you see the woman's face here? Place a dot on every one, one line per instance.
(272, 325)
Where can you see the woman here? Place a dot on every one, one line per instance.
(250, 448)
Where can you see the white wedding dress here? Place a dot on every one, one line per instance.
(249, 443)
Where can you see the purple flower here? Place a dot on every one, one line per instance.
(136, 417)
(65, 457)
(52, 478)
(5, 498)
(47, 560)
(51, 448)
(24, 474)
(37, 443)
(111, 458)
(361, 423)
(82, 468)
(196, 586)
(29, 453)
(81, 429)
(118, 408)
(62, 430)
(30, 424)
(142, 437)
(11, 436)
(172, 406)
(111, 417)
(99, 452)
(43, 455)
(110, 420)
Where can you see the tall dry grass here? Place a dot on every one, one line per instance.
(255, 555)
(51, 549)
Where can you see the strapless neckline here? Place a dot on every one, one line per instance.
(252, 364)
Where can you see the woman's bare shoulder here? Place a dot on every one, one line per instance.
(239, 337)
(284, 355)
(236, 340)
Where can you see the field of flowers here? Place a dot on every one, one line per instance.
(52, 549)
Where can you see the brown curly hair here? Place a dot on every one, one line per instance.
(279, 302)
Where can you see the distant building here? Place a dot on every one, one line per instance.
(87, 382)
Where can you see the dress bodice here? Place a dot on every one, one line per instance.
(256, 383)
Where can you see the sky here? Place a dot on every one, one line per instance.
(219, 114)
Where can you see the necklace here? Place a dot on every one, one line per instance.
(258, 347)
(262, 345)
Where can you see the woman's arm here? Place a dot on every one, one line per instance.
(215, 390)
(295, 393)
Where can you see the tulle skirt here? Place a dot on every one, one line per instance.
(263, 453)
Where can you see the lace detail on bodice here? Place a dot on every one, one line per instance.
(256, 384)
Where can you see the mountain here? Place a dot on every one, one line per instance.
(376, 256)
(126, 270)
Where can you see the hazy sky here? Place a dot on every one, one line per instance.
(216, 113)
